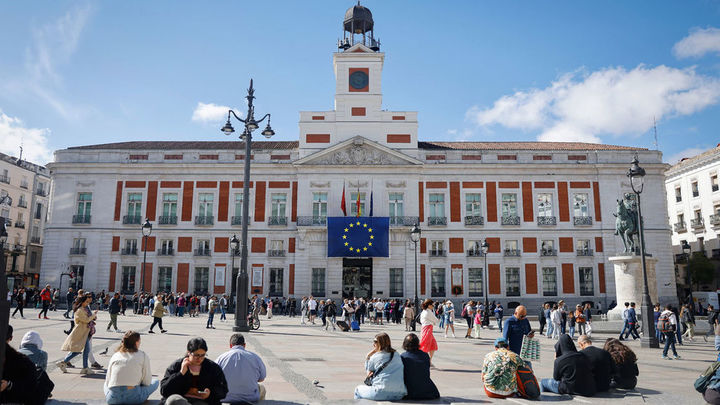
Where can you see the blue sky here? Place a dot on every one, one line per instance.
(76, 73)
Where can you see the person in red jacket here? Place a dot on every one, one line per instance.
(46, 297)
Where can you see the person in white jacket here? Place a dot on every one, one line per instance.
(667, 324)
(129, 377)
(428, 344)
(556, 319)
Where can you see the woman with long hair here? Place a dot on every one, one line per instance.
(194, 377)
(385, 368)
(79, 339)
(129, 377)
(449, 314)
(626, 370)
(428, 344)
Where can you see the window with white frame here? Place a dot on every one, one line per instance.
(319, 205)
(545, 205)
(202, 280)
(278, 204)
(353, 203)
(203, 246)
(511, 245)
(169, 204)
(206, 200)
(472, 205)
(437, 205)
(549, 281)
(165, 278)
(437, 282)
(512, 281)
(396, 282)
(509, 205)
(547, 247)
(583, 245)
(131, 246)
(134, 205)
(318, 282)
(475, 282)
(678, 194)
(396, 205)
(127, 281)
(238, 204)
(166, 247)
(84, 204)
(437, 248)
(695, 189)
(714, 182)
(580, 205)
(586, 281)
(276, 281)
(79, 243)
(277, 248)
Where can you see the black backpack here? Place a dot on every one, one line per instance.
(703, 381)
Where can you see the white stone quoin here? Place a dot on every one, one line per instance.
(629, 282)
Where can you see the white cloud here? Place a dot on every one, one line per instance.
(33, 140)
(582, 106)
(211, 112)
(698, 43)
(687, 153)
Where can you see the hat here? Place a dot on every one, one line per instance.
(500, 340)
(32, 337)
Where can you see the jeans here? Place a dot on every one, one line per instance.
(624, 330)
(549, 329)
(45, 307)
(123, 395)
(632, 331)
(499, 323)
(211, 316)
(222, 313)
(572, 332)
(171, 309)
(181, 311)
(550, 385)
(669, 342)
(85, 354)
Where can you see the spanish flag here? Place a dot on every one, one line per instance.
(358, 204)
(342, 202)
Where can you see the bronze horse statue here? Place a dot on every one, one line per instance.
(626, 225)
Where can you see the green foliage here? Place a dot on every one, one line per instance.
(701, 269)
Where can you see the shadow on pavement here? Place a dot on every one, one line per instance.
(456, 370)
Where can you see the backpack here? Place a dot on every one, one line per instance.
(464, 313)
(703, 381)
(527, 384)
(664, 324)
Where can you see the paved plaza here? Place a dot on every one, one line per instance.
(295, 355)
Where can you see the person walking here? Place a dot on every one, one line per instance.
(556, 318)
(69, 298)
(449, 314)
(20, 300)
(499, 316)
(688, 319)
(469, 315)
(571, 324)
(580, 319)
(46, 297)
(408, 316)
(129, 376)
(428, 320)
(588, 319)
(79, 339)
(223, 307)
(563, 313)
(212, 306)
(303, 310)
(181, 301)
(632, 322)
(712, 319)
(668, 326)
(312, 307)
(330, 312)
(542, 319)
(114, 310)
(157, 313)
(547, 312)
(270, 309)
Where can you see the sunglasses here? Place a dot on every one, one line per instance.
(198, 355)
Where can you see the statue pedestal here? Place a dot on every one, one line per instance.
(629, 282)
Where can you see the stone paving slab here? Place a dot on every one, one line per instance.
(295, 355)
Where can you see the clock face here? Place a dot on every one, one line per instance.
(358, 80)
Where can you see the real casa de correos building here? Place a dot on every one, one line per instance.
(544, 208)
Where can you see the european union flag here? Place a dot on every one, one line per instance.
(358, 236)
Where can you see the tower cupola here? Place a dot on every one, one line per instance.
(358, 21)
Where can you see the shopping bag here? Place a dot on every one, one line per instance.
(530, 350)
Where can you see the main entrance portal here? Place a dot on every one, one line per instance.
(357, 278)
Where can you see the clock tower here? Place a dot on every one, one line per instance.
(358, 65)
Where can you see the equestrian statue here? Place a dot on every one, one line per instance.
(626, 222)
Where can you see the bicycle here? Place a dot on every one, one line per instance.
(253, 322)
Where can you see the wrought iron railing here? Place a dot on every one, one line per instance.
(680, 227)
(584, 252)
(543, 221)
(128, 251)
(697, 223)
(404, 221)
(81, 219)
(276, 253)
(475, 253)
(437, 253)
(272, 220)
(202, 252)
(132, 219)
(715, 220)
(434, 221)
(167, 220)
(312, 221)
(5, 179)
(20, 224)
(204, 220)
(35, 240)
(512, 252)
(474, 220)
(583, 221)
(236, 220)
(166, 252)
(548, 252)
(22, 204)
(78, 251)
(41, 193)
(510, 220)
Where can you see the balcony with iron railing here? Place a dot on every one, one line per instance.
(312, 221)
(167, 220)
(475, 253)
(715, 187)
(276, 253)
(204, 220)
(678, 198)
(715, 220)
(681, 258)
(437, 253)
(22, 204)
(276, 220)
(4, 179)
(437, 221)
(24, 184)
(404, 221)
(680, 227)
(696, 193)
(697, 223)
(166, 252)
(18, 248)
(20, 224)
(582, 221)
(35, 240)
(202, 252)
(132, 220)
(546, 221)
(584, 252)
(128, 251)
(512, 253)
(236, 220)
(41, 193)
(474, 220)
(548, 252)
(78, 251)
(8, 222)
(510, 220)
(81, 219)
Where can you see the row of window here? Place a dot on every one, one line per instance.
(698, 221)
(511, 247)
(40, 190)
(695, 190)
(278, 206)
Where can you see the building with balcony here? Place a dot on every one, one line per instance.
(693, 201)
(531, 201)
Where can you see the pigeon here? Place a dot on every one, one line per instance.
(316, 382)
(104, 351)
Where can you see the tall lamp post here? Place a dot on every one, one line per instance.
(486, 316)
(415, 237)
(146, 231)
(687, 249)
(250, 124)
(4, 302)
(234, 243)
(636, 175)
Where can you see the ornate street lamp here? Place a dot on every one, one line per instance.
(146, 231)
(250, 124)
(687, 249)
(486, 316)
(636, 175)
(4, 302)
(415, 237)
(234, 243)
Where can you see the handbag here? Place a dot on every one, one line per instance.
(368, 379)
(530, 350)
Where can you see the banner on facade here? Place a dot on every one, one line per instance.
(358, 236)
(220, 276)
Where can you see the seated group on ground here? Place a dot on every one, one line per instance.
(24, 379)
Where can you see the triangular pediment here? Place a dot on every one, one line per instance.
(359, 48)
(358, 151)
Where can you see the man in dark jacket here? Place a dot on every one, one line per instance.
(114, 310)
(69, 297)
(572, 372)
(603, 366)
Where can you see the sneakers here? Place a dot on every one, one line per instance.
(96, 366)
(47, 317)
(164, 331)
(666, 358)
(150, 331)
(677, 357)
(69, 365)
(67, 332)
(108, 330)
(705, 337)
(62, 366)
(86, 371)
(454, 334)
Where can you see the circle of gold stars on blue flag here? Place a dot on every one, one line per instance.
(357, 237)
